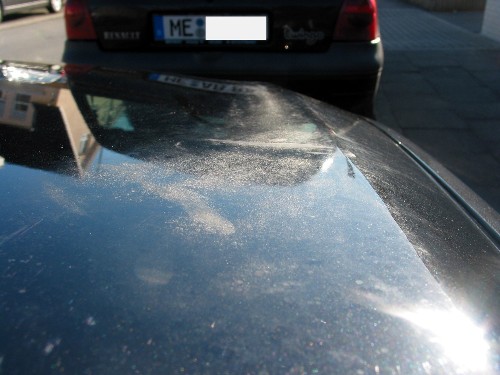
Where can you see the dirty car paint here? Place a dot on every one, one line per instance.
(209, 233)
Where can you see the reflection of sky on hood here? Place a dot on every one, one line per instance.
(463, 342)
(369, 260)
(235, 260)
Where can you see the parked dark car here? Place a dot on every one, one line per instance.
(14, 6)
(330, 49)
(164, 224)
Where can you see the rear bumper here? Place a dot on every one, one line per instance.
(341, 60)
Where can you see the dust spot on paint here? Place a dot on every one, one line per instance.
(153, 276)
(51, 345)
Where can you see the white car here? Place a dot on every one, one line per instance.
(14, 6)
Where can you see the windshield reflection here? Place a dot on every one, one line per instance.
(235, 131)
(180, 118)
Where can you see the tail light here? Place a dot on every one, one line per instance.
(79, 24)
(76, 69)
(357, 21)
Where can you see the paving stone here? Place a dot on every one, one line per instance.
(471, 94)
(400, 64)
(469, 20)
(478, 111)
(490, 194)
(447, 144)
(457, 84)
(478, 60)
(405, 101)
(432, 59)
(384, 113)
(406, 82)
(496, 155)
(394, 4)
(489, 78)
(449, 75)
(488, 131)
(467, 169)
(429, 119)
(414, 29)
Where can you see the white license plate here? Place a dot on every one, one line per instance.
(201, 29)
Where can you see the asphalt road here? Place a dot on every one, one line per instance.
(431, 116)
(33, 37)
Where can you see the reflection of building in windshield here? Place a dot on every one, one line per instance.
(16, 108)
(249, 133)
(43, 120)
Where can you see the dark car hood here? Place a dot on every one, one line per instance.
(180, 230)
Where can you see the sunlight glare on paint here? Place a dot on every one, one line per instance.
(327, 164)
(462, 341)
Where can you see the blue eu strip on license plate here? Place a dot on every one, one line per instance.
(205, 29)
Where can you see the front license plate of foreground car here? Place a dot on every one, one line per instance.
(209, 29)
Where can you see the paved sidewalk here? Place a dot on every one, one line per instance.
(441, 89)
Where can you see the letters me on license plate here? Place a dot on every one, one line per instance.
(210, 29)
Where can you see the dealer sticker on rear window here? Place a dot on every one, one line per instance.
(205, 85)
